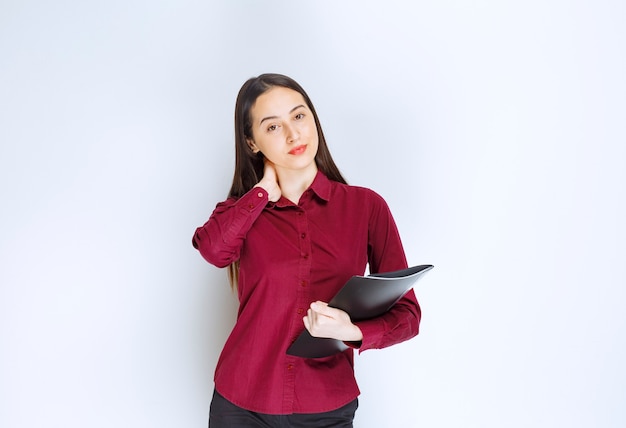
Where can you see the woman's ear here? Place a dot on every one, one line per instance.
(252, 146)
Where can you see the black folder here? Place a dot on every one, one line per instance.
(362, 297)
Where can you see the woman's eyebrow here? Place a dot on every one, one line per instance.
(276, 117)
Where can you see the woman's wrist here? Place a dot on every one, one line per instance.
(271, 187)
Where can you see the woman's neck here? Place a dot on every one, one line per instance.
(293, 183)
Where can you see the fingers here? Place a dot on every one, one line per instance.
(322, 308)
(316, 323)
(323, 321)
(318, 314)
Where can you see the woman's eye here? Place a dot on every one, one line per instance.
(299, 116)
(272, 128)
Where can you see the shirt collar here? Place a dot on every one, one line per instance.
(321, 187)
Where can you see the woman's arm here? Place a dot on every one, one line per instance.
(386, 254)
(220, 239)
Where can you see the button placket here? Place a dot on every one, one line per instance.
(302, 302)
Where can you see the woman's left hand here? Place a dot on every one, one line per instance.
(323, 321)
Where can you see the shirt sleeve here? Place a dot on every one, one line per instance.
(386, 254)
(220, 239)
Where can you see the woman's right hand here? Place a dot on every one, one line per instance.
(269, 182)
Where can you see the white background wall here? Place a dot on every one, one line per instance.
(494, 129)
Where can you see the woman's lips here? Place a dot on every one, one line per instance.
(298, 150)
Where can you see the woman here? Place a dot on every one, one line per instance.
(292, 232)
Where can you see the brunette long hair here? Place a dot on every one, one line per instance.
(249, 165)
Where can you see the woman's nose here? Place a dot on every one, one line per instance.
(292, 133)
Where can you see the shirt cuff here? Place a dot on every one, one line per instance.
(247, 208)
(256, 197)
(373, 332)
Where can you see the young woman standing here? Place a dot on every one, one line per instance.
(292, 232)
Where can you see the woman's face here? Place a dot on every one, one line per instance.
(283, 129)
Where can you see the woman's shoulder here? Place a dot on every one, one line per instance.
(366, 194)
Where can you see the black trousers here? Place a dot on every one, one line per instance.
(225, 414)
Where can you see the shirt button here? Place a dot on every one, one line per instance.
(260, 194)
(303, 283)
(300, 311)
(303, 235)
(250, 206)
(289, 366)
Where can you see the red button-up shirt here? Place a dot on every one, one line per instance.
(291, 255)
